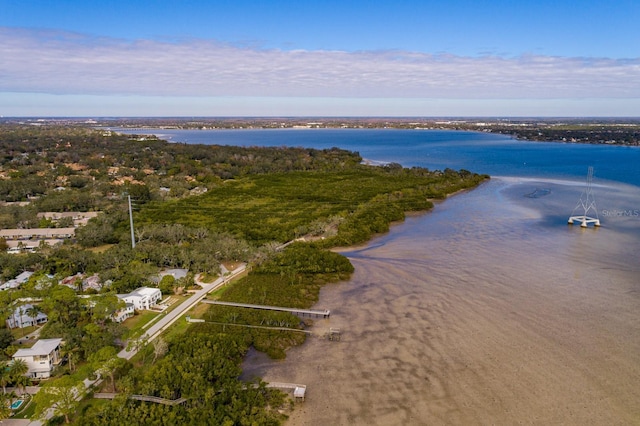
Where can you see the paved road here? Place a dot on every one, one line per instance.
(153, 332)
(162, 324)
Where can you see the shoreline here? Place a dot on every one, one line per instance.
(319, 327)
(409, 214)
(448, 322)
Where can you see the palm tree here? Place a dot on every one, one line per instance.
(20, 312)
(33, 312)
(5, 376)
(5, 406)
(68, 350)
(18, 368)
(21, 383)
(6, 311)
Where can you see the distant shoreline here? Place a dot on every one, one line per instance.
(624, 132)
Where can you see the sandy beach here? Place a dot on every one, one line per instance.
(489, 310)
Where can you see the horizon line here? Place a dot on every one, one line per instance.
(290, 117)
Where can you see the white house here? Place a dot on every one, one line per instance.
(41, 358)
(21, 318)
(142, 298)
(124, 313)
(17, 281)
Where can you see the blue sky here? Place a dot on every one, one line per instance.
(330, 58)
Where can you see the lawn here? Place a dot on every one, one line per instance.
(26, 411)
(136, 323)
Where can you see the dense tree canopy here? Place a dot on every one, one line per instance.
(201, 366)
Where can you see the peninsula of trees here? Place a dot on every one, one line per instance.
(200, 209)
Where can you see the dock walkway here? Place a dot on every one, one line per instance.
(146, 398)
(324, 313)
(298, 390)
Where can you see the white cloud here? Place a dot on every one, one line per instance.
(68, 63)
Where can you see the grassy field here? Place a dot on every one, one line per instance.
(137, 322)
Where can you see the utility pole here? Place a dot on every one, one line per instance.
(133, 238)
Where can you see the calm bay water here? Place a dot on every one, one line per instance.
(488, 310)
(496, 155)
(556, 170)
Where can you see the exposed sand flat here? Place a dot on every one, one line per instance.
(472, 315)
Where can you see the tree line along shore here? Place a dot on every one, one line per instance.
(195, 208)
(598, 130)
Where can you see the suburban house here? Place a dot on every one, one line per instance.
(78, 218)
(17, 281)
(72, 281)
(22, 246)
(21, 318)
(80, 282)
(37, 233)
(19, 240)
(92, 282)
(142, 298)
(123, 313)
(175, 273)
(41, 358)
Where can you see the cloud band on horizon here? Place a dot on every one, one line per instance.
(58, 62)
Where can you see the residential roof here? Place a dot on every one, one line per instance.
(299, 391)
(73, 215)
(27, 244)
(20, 313)
(175, 273)
(140, 292)
(23, 277)
(17, 281)
(41, 347)
(37, 233)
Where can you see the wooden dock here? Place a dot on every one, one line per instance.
(299, 391)
(146, 398)
(315, 313)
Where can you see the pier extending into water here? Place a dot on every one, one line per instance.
(299, 391)
(146, 398)
(315, 313)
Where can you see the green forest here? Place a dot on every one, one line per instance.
(360, 199)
